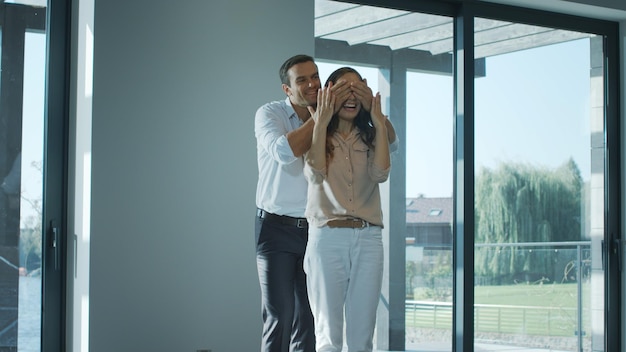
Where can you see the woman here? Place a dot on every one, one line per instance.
(349, 157)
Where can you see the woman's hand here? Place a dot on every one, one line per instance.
(324, 111)
(322, 114)
(378, 118)
(381, 140)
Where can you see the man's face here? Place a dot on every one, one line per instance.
(304, 82)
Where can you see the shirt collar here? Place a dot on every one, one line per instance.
(354, 135)
(289, 109)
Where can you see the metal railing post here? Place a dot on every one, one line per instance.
(580, 296)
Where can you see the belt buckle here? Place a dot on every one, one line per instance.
(301, 224)
(363, 223)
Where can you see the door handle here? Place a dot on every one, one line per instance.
(54, 243)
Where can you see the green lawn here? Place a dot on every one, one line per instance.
(541, 309)
(542, 295)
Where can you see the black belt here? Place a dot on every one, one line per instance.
(300, 223)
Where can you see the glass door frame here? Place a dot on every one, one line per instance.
(463, 220)
(55, 177)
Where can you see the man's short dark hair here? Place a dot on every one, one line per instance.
(294, 60)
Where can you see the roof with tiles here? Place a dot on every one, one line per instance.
(424, 210)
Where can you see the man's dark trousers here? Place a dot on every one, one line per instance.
(287, 319)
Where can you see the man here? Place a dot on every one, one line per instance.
(283, 130)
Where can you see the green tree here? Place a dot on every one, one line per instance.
(411, 273)
(524, 203)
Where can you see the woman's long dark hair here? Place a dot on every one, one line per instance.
(363, 120)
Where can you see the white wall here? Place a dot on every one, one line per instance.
(176, 85)
(79, 210)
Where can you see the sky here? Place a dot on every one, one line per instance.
(33, 121)
(533, 106)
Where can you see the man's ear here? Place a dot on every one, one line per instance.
(286, 89)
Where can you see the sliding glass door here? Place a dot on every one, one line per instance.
(33, 111)
(500, 224)
(539, 188)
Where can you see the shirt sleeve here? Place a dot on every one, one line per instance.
(271, 129)
(314, 176)
(378, 174)
(394, 146)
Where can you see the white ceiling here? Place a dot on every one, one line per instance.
(36, 3)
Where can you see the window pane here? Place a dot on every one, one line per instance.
(407, 57)
(21, 174)
(539, 152)
(429, 209)
(29, 322)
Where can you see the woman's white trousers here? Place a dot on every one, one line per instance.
(344, 268)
